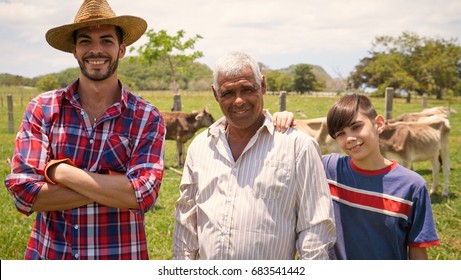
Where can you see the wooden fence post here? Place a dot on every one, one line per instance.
(389, 102)
(10, 114)
(283, 101)
(176, 102)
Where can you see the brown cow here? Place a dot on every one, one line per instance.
(181, 127)
(317, 128)
(426, 139)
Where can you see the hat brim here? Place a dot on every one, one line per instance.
(61, 37)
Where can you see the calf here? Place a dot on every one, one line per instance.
(317, 128)
(426, 139)
(181, 127)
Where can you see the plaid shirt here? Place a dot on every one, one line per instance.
(128, 138)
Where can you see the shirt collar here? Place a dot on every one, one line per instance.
(71, 93)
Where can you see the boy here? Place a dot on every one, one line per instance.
(382, 210)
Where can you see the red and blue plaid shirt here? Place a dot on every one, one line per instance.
(127, 138)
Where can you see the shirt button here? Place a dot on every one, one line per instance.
(82, 112)
(76, 226)
(91, 141)
(76, 256)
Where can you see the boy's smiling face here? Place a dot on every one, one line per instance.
(360, 139)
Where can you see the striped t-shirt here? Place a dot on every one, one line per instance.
(378, 213)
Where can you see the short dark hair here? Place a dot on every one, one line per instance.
(118, 32)
(343, 111)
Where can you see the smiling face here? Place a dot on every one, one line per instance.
(355, 124)
(97, 51)
(241, 99)
(360, 139)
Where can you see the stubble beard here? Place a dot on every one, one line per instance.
(98, 75)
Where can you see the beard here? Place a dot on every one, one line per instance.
(99, 75)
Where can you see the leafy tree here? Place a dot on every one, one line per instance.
(382, 71)
(411, 63)
(441, 66)
(48, 82)
(278, 81)
(304, 79)
(68, 76)
(174, 51)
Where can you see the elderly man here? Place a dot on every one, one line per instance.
(89, 158)
(249, 191)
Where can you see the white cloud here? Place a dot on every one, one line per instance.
(334, 34)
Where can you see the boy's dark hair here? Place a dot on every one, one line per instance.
(343, 111)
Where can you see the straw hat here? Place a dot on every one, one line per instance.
(95, 12)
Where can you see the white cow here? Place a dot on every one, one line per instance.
(317, 128)
(426, 139)
(412, 117)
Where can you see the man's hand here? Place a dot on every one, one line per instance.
(283, 120)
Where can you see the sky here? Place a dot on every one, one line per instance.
(333, 34)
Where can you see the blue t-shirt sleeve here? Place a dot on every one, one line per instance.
(330, 164)
(423, 231)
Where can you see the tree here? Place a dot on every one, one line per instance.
(410, 63)
(440, 65)
(382, 71)
(15, 80)
(173, 51)
(48, 82)
(304, 79)
(67, 76)
(277, 81)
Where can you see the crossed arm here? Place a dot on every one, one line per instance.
(76, 187)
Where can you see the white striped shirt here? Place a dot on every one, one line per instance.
(272, 202)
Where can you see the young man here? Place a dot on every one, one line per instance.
(382, 210)
(248, 191)
(89, 158)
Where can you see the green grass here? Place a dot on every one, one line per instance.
(15, 228)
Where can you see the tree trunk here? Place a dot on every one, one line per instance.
(177, 97)
(439, 95)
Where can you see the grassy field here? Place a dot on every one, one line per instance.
(15, 228)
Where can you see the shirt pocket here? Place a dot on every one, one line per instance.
(116, 153)
(272, 181)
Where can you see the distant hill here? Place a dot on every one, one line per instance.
(139, 76)
(318, 71)
(15, 80)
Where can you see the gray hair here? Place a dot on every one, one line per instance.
(232, 64)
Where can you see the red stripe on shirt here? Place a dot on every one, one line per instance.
(424, 244)
(375, 201)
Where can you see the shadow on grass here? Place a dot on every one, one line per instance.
(437, 198)
(424, 172)
(157, 207)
